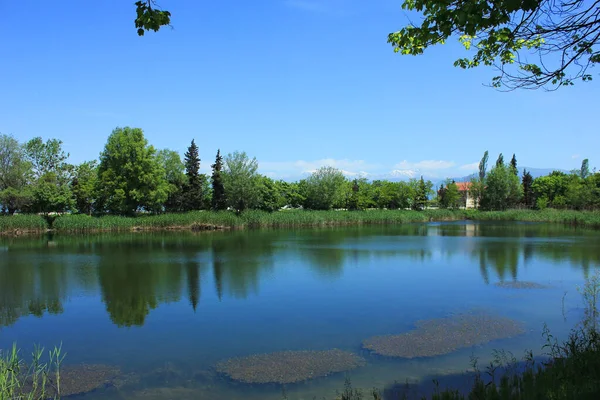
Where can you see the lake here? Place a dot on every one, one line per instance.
(165, 308)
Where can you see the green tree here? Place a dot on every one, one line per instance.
(83, 186)
(483, 166)
(193, 198)
(449, 196)
(513, 165)
(219, 199)
(421, 189)
(585, 169)
(130, 177)
(324, 188)
(531, 44)
(500, 160)
(528, 195)
(503, 189)
(551, 189)
(172, 166)
(270, 196)
(241, 181)
(52, 175)
(15, 173)
(291, 193)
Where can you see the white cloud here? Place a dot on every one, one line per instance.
(403, 173)
(470, 167)
(575, 156)
(426, 165)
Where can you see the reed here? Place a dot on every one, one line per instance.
(23, 223)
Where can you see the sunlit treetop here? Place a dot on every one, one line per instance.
(532, 43)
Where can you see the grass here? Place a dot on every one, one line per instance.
(588, 219)
(37, 381)
(23, 223)
(198, 220)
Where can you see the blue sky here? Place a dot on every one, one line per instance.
(296, 83)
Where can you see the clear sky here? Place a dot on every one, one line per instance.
(295, 83)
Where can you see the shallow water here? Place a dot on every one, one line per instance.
(167, 307)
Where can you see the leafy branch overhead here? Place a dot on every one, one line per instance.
(150, 17)
(532, 43)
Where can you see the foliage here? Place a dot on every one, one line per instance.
(130, 175)
(14, 175)
(483, 166)
(503, 189)
(193, 197)
(219, 199)
(241, 181)
(513, 165)
(83, 186)
(172, 166)
(585, 169)
(421, 189)
(531, 43)
(449, 196)
(33, 380)
(324, 188)
(270, 196)
(392, 195)
(150, 17)
(51, 194)
(528, 195)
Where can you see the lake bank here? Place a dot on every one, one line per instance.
(208, 220)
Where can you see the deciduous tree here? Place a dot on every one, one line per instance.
(530, 43)
(241, 181)
(324, 188)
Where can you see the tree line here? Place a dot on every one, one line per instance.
(502, 188)
(131, 176)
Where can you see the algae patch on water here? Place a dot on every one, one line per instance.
(82, 379)
(520, 285)
(288, 366)
(445, 335)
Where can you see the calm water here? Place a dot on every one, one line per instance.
(165, 308)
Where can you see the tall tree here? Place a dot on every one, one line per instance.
(531, 44)
(503, 189)
(219, 200)
(175, 178)
(513, 165)
(422, 189)
(130, 176)
(483, 166)
(528, 195)
(241, 181)
(15, 173)
(500, 160)
(324, 188)
(585, 169)
(83, 186)
(46, 157)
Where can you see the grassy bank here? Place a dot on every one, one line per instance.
(206, 220)
(588, 219)
(199, 220)
(22, 224)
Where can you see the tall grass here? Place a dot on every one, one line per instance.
(248, 219)
(39, 380)
(588, 219)
(23, 223)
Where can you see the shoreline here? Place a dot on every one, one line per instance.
(198, 221)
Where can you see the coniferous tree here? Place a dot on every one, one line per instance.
(219, 202)
(193, 188)
(513, 165)
(528, 195)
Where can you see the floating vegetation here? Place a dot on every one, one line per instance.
(520, 285)
(85, 378)
(445, 335)
(289, 366)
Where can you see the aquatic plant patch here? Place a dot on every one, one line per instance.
(444, 335)
(520, 285)
(289, 366)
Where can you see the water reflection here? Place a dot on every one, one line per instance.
(134, 273)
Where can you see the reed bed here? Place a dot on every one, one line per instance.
(23, 223)
(587, 219)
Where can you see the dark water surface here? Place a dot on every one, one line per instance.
(165, 308)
